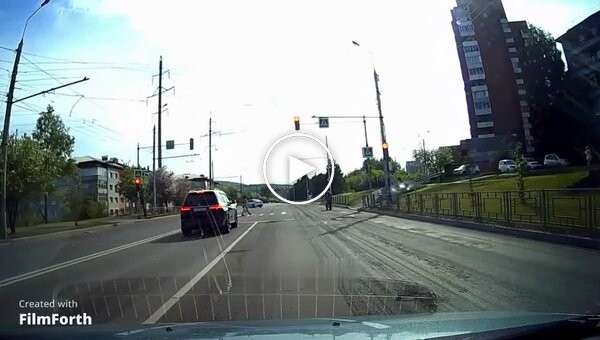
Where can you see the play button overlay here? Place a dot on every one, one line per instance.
(289, 159)
(298, 169)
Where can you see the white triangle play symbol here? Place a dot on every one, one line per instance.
(298, 169)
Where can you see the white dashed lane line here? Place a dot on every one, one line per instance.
(283, 212)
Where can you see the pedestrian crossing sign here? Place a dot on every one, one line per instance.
(323, 122)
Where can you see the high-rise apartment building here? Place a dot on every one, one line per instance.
(491, 54)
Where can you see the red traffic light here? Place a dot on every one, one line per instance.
(137, 181)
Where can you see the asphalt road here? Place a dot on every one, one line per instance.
(289, 261)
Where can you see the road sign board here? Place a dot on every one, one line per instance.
(170, 144)
(367, 151)
(323, 122)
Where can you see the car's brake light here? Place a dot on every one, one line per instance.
(215, 207)
(185, 209)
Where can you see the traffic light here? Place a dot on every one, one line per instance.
(297, 123)
(137, 181)
(384, 146)
(191, 143)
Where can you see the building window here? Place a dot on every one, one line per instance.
(482, 105)
(520, 81)
(471, 48)
(480, 94)
(122, 199)
(476, 70)
(476, 59)
(521, 91)
(510, 40)
(581, 38)
(111, 200)
(110, 187)
(512, 50)
(523, 103)
(506, 28)
(112, 212)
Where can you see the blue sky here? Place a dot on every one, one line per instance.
(255, 65)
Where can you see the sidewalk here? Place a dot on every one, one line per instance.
(42, 229)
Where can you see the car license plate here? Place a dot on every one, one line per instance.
(200, 209)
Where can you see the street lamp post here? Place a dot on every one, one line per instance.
(5, 131)
(384, 145)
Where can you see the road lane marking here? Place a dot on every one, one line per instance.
(161, 311)
(269, 221)
(260, 214)
(271, 214)
(283, 212)
(62, 265)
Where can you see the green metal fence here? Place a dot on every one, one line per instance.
(568, 207)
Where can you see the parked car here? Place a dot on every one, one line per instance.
(507, 165)
(208, 211)
(407, 186)
(552, 160)
(466, 169)
(532, 163)
(254, 203)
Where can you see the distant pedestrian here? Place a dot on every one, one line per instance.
(588, 155)
(328, 200)
(245, 206)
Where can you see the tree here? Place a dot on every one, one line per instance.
(181, 186)
(441, 159)
(35, 163)
(164, 186)
(521, 170)
(126, 187)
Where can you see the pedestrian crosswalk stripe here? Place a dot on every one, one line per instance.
(271, 214)
(260, 214)
(283, 212)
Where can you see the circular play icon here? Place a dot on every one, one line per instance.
(292, 157)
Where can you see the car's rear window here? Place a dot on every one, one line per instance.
(204, 198)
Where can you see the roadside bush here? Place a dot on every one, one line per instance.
(96, 209)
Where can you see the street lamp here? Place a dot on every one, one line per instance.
(5, 131)
(384, 144)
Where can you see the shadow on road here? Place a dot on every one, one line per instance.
(347, 226)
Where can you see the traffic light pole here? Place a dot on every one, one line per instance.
(384, 145)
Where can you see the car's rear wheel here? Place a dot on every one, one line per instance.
(226, 227)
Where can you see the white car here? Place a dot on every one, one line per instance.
(253, 203)
(532, 163)
(552, 160)
(466, 169)
(507, 165)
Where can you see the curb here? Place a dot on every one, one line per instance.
(97, 227)
(576, 241)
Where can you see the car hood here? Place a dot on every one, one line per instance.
(405, 327)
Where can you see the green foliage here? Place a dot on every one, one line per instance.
(521, 169)
(36, 162)
(434, 161)
(95, 209)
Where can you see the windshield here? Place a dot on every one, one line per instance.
(216, 161)
(205, 198)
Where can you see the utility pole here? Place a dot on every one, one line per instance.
(210, 174)
(138, 155)
(367, 170)
(329, 169)
(5, 136)
(160, 72)
(241, 190)
(384, 145)
(154, 167)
